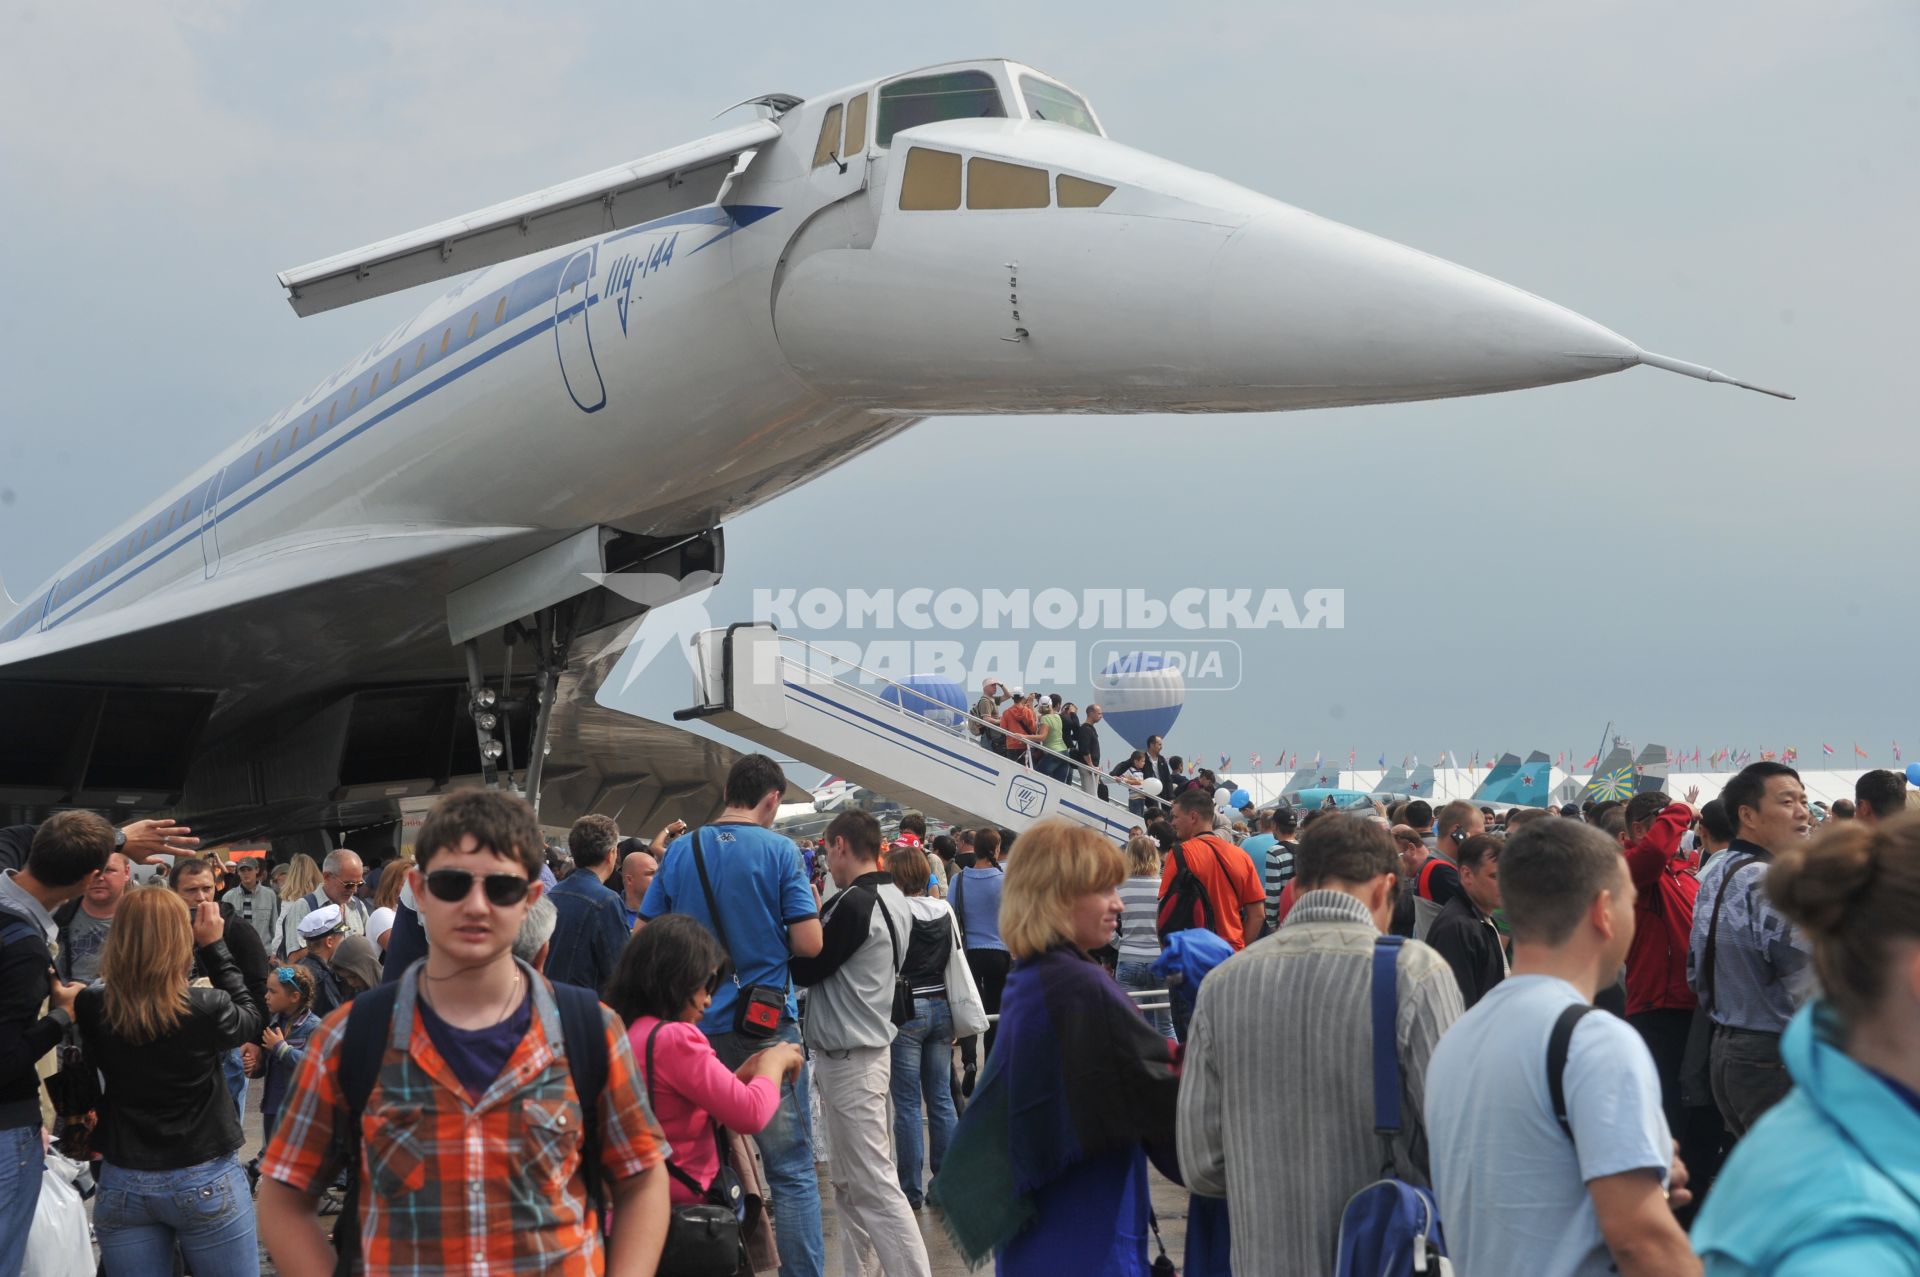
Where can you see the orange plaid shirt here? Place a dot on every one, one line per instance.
(453, 1185)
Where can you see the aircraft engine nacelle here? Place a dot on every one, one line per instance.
(1022, 266)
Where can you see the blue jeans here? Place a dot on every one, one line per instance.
(22, 1163)
(923, 1065)
(236, 1075)
(786, 1148)
(1137, 977)
(207, 1209)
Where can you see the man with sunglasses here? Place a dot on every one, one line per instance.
(472, 1134)
(341, 877)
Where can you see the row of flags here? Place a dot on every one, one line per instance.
(1726, 758)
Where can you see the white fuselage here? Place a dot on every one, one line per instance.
(663, 378)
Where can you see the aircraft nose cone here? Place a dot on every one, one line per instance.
(1337, 316)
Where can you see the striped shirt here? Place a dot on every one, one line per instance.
(1275, 875)
(1276, 1096)
(1139, 903)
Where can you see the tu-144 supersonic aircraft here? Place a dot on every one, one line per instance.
(393, 585)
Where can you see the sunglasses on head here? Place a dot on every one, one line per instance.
(454, 885)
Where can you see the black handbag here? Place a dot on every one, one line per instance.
(703, 1238)
(902, 1010)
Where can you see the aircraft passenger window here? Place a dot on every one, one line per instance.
(1051, 102)
(825, 149)
(499, 313)
(932, 180)
(374, 389)
(420, 355)
(1078, 192)
(473, 325)
(925, 99)
(856, 127)
(331, 409)
(992, 184)
(353, 399)
(395, 375)
(443, 340)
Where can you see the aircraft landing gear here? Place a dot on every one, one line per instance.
(552, 638)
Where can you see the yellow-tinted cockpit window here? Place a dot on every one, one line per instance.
(829, 144)
(932, 180)
(924, 99)
(1078, 192)
(993, 184)
(856, 127)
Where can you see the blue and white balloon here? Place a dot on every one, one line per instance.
(933, 697)
(1141, 694)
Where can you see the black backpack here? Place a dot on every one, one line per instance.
(1185, 904)
(363, 1043)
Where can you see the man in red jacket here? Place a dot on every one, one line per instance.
(1660, 1005)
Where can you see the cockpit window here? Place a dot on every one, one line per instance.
(932, 180)
(1048, 101)
(829, 143)
(1078, 192)
(992, 184)
(926, 99)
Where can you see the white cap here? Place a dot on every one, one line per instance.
(322, 921)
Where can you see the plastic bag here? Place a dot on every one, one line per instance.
(59, 1245)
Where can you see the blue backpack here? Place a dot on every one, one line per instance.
(1390, 1228)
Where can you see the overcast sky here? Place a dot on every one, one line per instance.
(1733, 183)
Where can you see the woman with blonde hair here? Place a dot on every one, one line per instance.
(1827, 1182)
(303, 875)
(168, 1128)
(1048, 1169)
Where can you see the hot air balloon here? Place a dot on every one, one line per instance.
(931, 696)
(1142, 693)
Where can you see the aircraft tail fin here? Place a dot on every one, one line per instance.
(1612, 780)
(1504, 770)
(1522, 784)
(1420, 782)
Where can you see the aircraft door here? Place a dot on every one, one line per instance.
(840, 152)
(573, 333)
(210, 525)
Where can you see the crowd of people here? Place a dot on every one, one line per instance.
(1637, 1037)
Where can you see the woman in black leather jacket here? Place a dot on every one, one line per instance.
(168, 1129)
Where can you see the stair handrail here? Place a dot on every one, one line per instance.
(967, 715)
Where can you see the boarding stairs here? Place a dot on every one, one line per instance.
(800, 701)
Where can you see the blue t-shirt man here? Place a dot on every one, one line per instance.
(1257, 848)
(1512, 1184)
(761, 890)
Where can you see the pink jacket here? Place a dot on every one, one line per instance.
(693, 1088)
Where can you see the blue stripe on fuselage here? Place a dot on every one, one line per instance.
(523, 294)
